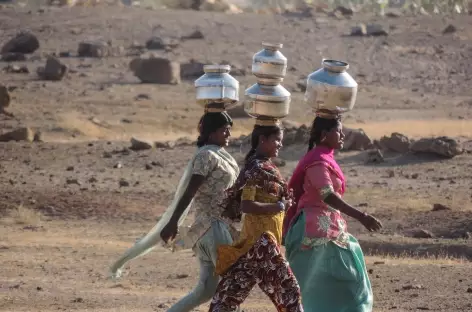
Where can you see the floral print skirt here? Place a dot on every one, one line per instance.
(265, 266)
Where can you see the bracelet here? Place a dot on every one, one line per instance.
(281, 205)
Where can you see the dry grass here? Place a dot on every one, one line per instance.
(408, 259)
(25, 216)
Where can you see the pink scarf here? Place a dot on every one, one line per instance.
(316, 155)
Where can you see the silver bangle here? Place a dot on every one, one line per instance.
(281, 205)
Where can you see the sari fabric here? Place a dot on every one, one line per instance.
(327, 261)
(256, 257)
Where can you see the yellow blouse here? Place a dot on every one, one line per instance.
(254, 225)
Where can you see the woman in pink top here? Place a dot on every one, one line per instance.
(326, 260)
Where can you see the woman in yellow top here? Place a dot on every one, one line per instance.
(256, 258)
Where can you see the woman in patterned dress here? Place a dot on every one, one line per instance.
(213, 171)
(256, 257)
(327, 261)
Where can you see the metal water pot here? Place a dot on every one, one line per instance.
(217, 86)
(269, 62)
(267, 98)
(331, 88)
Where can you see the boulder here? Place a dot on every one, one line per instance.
(356, 139)
(397, 142)
(156, 70)
(54, 70)
(24, 42)
(442, 146)
(93, 49)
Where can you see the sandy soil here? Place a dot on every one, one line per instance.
(67, 214)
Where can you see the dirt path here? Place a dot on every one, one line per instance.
(62, 266)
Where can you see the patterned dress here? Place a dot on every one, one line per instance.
(220, 174)
(256, 257)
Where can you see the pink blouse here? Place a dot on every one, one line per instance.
(323, 223)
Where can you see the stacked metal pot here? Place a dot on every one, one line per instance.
(217, 90)
(267, 100)
(330, 90)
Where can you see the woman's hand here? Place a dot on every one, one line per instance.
(371, 223)
(169, 232)
(288, 202)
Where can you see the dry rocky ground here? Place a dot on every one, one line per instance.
(77, 198)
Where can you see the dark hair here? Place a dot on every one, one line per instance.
(319, 125)
(258, 130)
(209, 123)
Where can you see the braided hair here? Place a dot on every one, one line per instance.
(319, 126)
(259, 130)
(209, 123)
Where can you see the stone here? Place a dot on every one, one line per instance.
(156, 70)
(356, 139)
(72, 181)
(158, 43)
(218, 6)
(238, 112)
(368, 30)
(344, 11)
(374, 157)
(236, 69)
(442, 146)
(450, 29)
(397, 142)
(423, 234)
(196, 34)
(440, 207)
(139, 145)
(301, 84)
(24, 42)
(192, 69)
(15, 69)
(167, 144)
(123, 183)
(54, 70)
(410, 287)
(93, 49)
(13, 57)
(141, 96)
(359, 30)
(5, 97)
(21, 134)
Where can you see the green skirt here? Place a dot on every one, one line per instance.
(331, 278)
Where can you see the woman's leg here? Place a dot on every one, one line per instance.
(205, 250)
(202, 292)
(234, 287)
(274, 276)
(262, 264)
